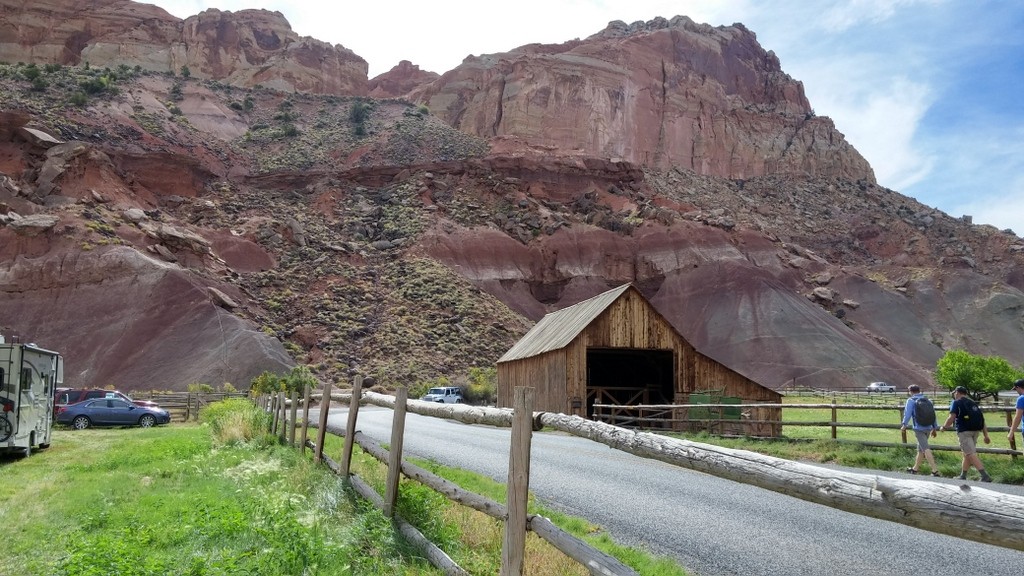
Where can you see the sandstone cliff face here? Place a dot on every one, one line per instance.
(665, 93)
(372, 237)
(244, 48)
(399, 81)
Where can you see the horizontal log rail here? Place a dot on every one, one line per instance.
(964, 511)
(654, 416)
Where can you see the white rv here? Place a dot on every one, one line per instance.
(28, 377)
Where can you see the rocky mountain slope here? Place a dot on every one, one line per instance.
(161, 230)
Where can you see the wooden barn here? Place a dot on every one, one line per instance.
(616, 348)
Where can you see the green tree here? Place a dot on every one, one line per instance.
(266, 383)
(483, 385)
(298, 378)
(981, 375)
(185, 72)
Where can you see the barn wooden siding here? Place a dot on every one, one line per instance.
(559, 376)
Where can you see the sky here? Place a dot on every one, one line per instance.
(930, 92)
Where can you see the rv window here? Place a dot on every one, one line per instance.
(2, 381)
(26, 379)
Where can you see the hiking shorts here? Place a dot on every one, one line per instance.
(968, 441)
(922, 439)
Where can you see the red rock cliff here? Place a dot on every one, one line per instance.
(243, 48)
(662, 93)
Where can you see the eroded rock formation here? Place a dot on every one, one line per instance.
(244, 48)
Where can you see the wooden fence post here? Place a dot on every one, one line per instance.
(513, 549)
(321, 432)
(305, 418)
(293, 400)
(1013, 438)
(903, 433)
(395, 452)
(273, 413)
(350, 427)
(282, 407)
(834, 417)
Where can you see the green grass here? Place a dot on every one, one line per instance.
(473, 539)
(223, 498)
(167, 501)
(815, 443)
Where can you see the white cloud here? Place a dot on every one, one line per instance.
(842, 16)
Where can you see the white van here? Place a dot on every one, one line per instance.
(29, 375)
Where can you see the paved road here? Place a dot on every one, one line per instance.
(709, 525)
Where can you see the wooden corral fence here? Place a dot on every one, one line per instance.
(977, 514)
(514, 514)
(185, 406)
(720, 419)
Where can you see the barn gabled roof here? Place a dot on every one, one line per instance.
(557, 329)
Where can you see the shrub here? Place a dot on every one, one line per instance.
(266, 383)
(483, 386)
(201, 388)
(78, 99)
(237, 420)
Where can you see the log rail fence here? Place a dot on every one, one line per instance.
(710, 418)
(976, 514)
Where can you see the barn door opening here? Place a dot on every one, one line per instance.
(627, 376)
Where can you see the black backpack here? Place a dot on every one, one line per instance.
(924, 411)
(971, 418)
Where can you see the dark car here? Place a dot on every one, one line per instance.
(111, 412)
(65, 397)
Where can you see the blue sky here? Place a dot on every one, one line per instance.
(929, 91)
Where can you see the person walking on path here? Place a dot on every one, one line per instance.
(921, 412)
(969, 422)
(1018, 387)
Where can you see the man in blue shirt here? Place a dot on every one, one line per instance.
(922, 429)
(1018, 387)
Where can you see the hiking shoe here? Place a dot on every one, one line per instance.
(985, 477)
(963, 476)
(935, 473)
(911, 470)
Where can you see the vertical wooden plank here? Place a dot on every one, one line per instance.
(282, 416)
(513, 549)
(273, 414)
(293, 400)
(834, 413)
(321, 432)
(395, 452)
(305, 418)
(350, 427)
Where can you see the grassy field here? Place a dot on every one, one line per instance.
(814, 443)
(191, 499)
(165, 501)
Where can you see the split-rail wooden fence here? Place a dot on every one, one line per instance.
(712, 419)
(968, 512)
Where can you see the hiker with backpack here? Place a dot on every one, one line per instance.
(969, 423)
(921, 412)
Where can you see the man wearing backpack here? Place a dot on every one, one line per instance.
(969, 422)
(919, 409)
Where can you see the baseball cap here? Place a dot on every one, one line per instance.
(960, 390)
(1019, 383)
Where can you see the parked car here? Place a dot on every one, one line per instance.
(68, 396)
(444, 395)
(880, 387)
(111, 412)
